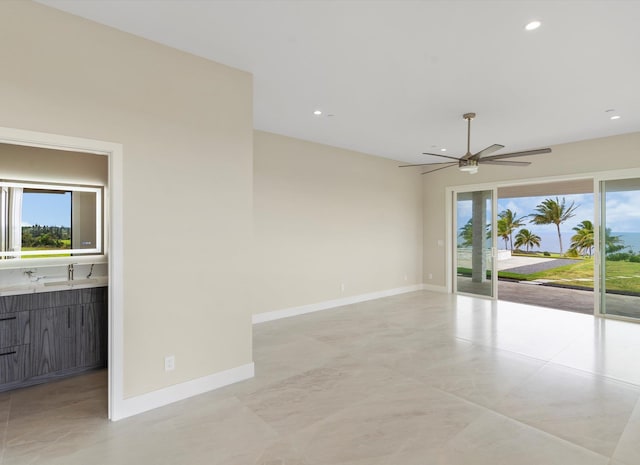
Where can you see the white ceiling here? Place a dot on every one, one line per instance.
(398, 75)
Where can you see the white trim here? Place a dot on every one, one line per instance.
(175, 393)
(113, 239)
(327, 304)
(450, 226)
(114, 247)
(597, 218)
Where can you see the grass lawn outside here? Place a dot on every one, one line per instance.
(621, 276)
(549, 255)
(30, 249)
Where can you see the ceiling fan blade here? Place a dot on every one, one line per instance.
(505, 162)
(429, 164)
(438, 169)
(443, 156)
(487, 151)
(517, 154)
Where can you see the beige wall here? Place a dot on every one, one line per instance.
(21, 163)
(609, 153)
(186, 127)
(326, 216)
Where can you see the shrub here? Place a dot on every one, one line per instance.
(546, 254)
(572, 253)
(634, 258)
(618, 257)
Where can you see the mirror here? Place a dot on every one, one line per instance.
(40, 220)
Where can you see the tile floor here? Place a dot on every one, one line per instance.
(415, 379)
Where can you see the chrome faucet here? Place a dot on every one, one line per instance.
(70, 272)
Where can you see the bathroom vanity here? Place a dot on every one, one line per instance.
(49, 335)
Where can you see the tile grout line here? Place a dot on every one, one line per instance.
(636, 407)
(521, 422)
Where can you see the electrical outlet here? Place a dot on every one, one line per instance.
(430, 275)
(341, 287)
(169, 363)
(406, 278)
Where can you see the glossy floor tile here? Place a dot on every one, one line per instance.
(414, 379)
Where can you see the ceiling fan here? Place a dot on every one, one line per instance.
(470, 161)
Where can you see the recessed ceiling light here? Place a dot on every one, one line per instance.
(317, 112)
(443, 150)
(615, 117)
(533, 25)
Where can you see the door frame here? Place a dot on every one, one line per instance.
(599, 208)
(453, 240)
(113, 241)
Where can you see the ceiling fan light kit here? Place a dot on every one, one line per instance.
(470, 161)
(471, 167)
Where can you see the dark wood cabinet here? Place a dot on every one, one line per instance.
(14, 364)
(52, 347)
(14, 329)
(51, 335)
(91, 332)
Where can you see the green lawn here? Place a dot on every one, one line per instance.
(549, 255)
(621, 276)
(30, 249)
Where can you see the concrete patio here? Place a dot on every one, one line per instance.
(561, 298)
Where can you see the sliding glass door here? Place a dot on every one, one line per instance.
(474, 243)
(620, 247)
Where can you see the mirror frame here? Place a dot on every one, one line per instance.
(10, 257)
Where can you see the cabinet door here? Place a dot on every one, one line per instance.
(91, 338)
(14, 329)
(52, 340)
(14, 364)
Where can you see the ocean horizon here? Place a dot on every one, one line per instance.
(549, 241)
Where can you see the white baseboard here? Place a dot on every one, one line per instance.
(145, 402)
(294, 311)
(142, 403)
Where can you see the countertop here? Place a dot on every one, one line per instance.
(52, 286)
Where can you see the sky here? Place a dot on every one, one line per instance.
(46, 209)
(622, 215)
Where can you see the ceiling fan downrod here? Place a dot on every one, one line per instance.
(469, 117)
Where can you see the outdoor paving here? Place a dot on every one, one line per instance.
(529, 268)
(536, 293)
(546, 296)
(514, 262)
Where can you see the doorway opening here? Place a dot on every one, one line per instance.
(546, 245)
(54, 275)
(111, 247)
(568, 244)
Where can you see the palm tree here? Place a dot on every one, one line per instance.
(510, 224)
(527, 238)
(466, 233)
(582, 241)
(503, 233)
(553, 212)
(612, 244)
